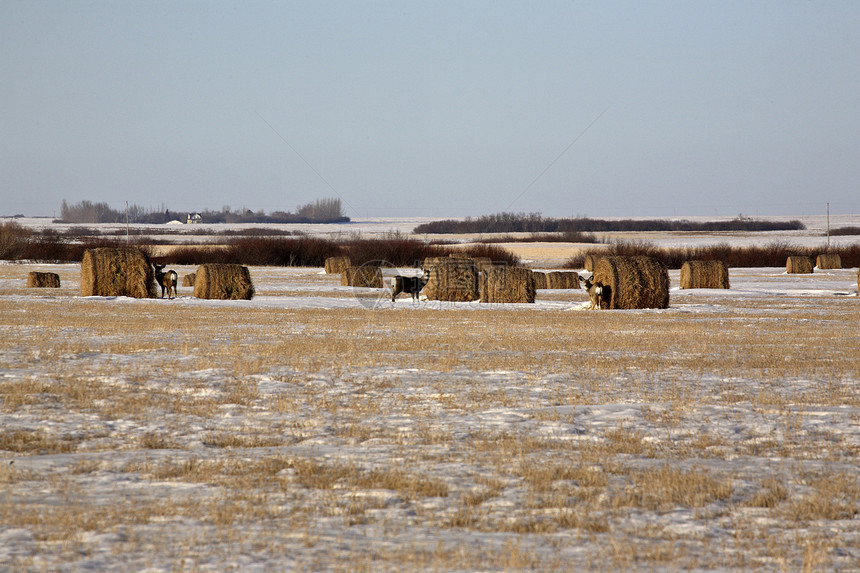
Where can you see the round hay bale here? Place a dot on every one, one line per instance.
(109, 271)
(828, 261)
(368, 276)
(798, 264)
(336, 265)
(562, 280)
(483, 263)
(188, 280)
(223, 282)
(508, 284)
(632, 282)
(704, 274)
(540, 279)
(43, 280)
(589, 262)
(452, 280)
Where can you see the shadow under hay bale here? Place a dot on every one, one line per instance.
(828, 261)
(366, 276)
(336, 265)
(798, 265)
(43, 280)
(451, 279)
(109, 271)
(704, 274)
(562, 280)
(188, 280)
(632, 282)
(223, 282)
(507, 284)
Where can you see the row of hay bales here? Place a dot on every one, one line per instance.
(801, 264)
(628, 282)
(109, 271)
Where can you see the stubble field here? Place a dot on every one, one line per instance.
(319, 427)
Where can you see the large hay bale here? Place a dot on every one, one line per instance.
(828, 261)
(632, 282)
(368, 276)
(223, 282)
(43, 280)
(798, 264)
(451, 279)
(540, 279)
(704, 274)
(508, 284)
(484, 263)
(188, 280)
(336, 265)
(562, 280)
(109, 271)
(589, 262)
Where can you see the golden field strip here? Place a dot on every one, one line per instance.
(722, 433)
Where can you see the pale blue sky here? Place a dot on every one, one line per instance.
(441, 109)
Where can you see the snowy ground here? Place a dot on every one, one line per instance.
(320, 427)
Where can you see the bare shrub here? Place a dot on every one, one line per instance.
(13, 240)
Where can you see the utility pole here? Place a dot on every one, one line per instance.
(126, 223)
(828, 227)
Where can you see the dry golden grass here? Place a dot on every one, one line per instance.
(325, 432)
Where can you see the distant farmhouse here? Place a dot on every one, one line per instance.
(194, 218)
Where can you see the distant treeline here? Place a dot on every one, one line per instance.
(535, 223)
(88, 213)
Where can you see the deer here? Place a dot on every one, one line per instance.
(166, 280)
(409, 285)
(595, 292)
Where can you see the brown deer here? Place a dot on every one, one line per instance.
(166, 280)
(595, 292)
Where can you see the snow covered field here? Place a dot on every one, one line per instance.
(321, 427)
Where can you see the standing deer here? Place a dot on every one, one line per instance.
(409, 285)
(166, 280)
(595, 292)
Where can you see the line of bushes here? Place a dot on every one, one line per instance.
(312, 252)
(770, 255)
(20, 243)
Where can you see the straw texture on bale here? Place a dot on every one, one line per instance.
(336, 265)
(43, 280)
(540, 279)
(704, 274)
(223, 282)
(451, 279)
(367, 276)
(507, 284)
(109, 271)
(483, 263)
(828, 261)
(562, 279)
(632, 282)
(589, 262)
(188, 280)
(798, 264)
